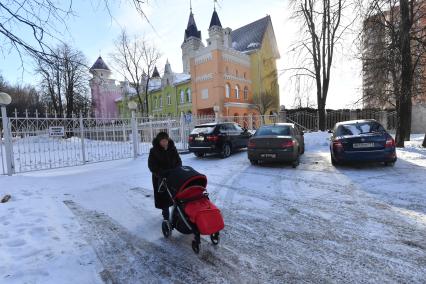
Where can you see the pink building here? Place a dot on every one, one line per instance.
(105, 91)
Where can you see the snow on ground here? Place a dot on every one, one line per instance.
(97, 223)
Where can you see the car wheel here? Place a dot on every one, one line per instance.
(333, 161)
(295, 163)
(389, 164)
(303, 150)
(226, 151)
(199, 155)
(254, 162)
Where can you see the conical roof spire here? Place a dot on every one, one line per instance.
(155, 73)
(191, 29)
(215, 20)
(100, 65)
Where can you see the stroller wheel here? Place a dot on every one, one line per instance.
(167, 230)
(195, 247)
(214, 238)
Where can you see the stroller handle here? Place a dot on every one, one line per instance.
(163, 185)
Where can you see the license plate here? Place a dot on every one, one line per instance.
(199, 138)
(363, 145)
(268, 156)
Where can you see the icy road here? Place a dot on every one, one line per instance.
(314, 224)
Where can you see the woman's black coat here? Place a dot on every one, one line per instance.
(158, 161)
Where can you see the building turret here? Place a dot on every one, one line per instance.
(100, 70)
(191, 42)
(168, 76)
(215, 31)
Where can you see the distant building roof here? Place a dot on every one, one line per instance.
(250, 37)
(100, 65)
(181, 77)
(215, 21)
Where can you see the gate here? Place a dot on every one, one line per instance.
(47, 143)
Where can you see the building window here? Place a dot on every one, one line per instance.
(227, 90)
(236, 73)
(237, 92)
(161, 101)
(245, 93)
(155, 103)
(189, 96)
(205, 94)
(169, 99)
(244, 75)
(182, 96)
(226, 70)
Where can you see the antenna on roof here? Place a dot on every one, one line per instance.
(190, 5)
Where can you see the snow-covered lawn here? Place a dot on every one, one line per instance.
(97, 223)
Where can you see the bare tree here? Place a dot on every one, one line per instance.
(65, 80)
(394, 58)
(24, 98)
(265, 102)
(135, 59)
(29, 26)
(322, 29)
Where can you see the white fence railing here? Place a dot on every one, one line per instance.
(46, 143)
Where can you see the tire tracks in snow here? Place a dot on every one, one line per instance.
(127, 258)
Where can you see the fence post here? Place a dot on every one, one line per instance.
(283, 116)
(7, 142)
(182, 131)
(135, 135)
(383, 118)
(151, 128)
(83, 148)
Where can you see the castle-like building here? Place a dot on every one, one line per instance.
(222, 74)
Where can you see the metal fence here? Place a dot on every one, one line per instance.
(308, 120)
(45, 143)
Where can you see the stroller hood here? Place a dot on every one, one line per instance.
(183, 177)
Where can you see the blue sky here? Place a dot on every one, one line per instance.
(93, 31)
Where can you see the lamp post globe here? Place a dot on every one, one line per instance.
(5, 99)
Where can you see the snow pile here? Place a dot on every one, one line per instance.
(94, 222)
(317, 141)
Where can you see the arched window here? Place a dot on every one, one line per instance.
(169, 99)
(155, 102)
(226, 70)
(244, 75)
(161, 101)
(237, 92)
(245, 93)
(189, 96)
(227, 90)
(182, 96)
(236, 73)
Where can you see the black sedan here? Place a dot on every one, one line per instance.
(280, 142)
(220, 138)
(361, 141)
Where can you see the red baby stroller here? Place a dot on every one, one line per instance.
(192, 211)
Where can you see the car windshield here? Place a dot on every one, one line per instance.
(277, 130)
(202, 129)
(359, 128)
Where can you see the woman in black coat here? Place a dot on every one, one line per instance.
(162, 156)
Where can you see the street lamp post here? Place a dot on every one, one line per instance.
(5, 100)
